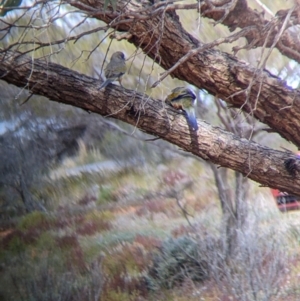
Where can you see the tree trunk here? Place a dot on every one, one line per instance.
(241, 196)
(228, 224)
(25, 194)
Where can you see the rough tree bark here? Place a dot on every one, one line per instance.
(237, 14)
(257, 162)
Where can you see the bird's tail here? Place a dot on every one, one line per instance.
(191, 118)
(104, 84)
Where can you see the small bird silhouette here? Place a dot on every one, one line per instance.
(115, 69)
(292, 165)
(184, 99)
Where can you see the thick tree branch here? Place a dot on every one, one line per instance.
(259, 163)
(242, 16)
(233, 14)
(257, 92)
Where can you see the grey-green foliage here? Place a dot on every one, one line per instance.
(8, 5)
(46, 279)
(258, 264)
(177, 260)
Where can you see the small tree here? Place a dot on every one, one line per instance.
(26, 156)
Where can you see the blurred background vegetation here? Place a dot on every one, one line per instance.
(93, 209)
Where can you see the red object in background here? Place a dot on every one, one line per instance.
(285, 202)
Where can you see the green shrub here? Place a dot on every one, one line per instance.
(16, 245)
(105, 195)
(16, 242)
(43, 278)
(176, 261)
(121, 296)
(32, 220)
(46, 241)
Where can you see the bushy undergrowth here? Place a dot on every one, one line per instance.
(256, 268)
(88, 253)
(35, 219)
(44, 277)
(41, 265)
(177, 260)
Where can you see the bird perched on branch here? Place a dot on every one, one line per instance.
(115, 69)
(292, 165)
(184, 99)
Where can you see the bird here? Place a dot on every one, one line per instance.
(292, 165)
(115, 69)
(184, 99)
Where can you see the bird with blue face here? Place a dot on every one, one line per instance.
(184, 99)
(115, 69)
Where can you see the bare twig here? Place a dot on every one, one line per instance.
(202, 48)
